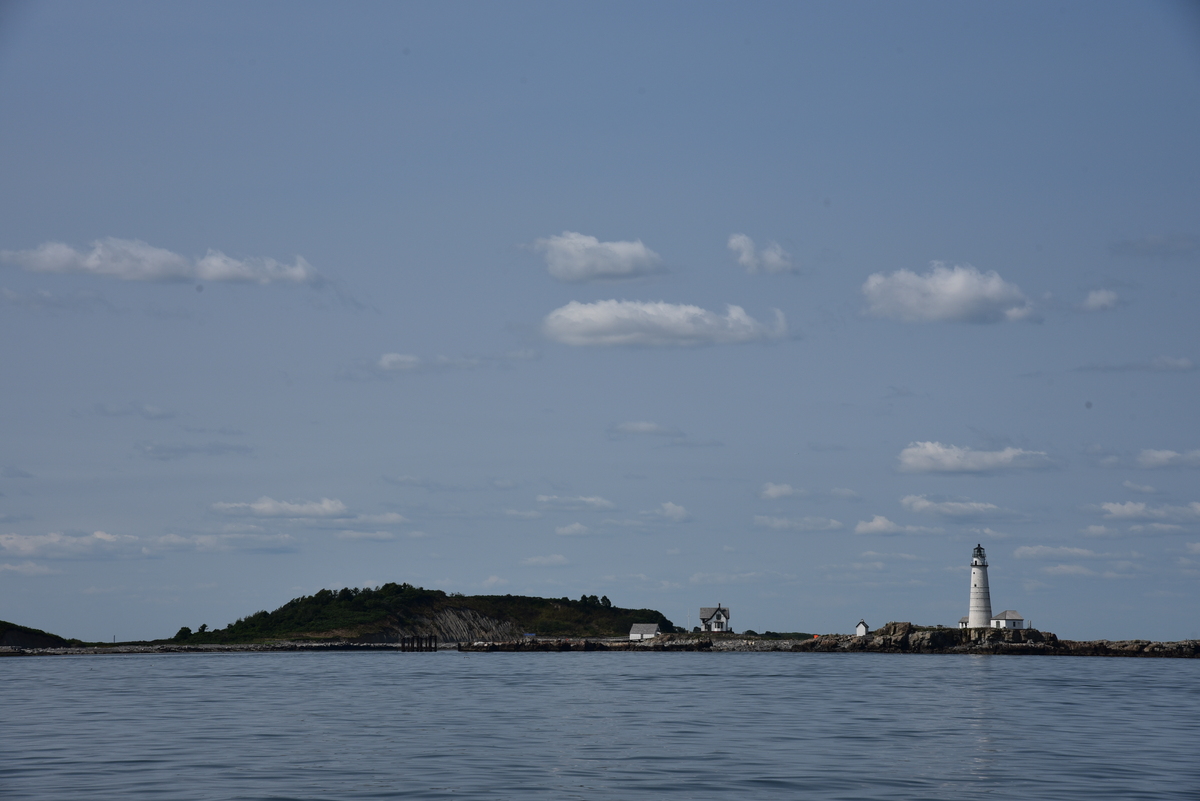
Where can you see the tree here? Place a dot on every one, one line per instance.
(183, 633)
(203, 628)
(607, 604)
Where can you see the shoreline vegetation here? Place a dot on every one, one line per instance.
(386, 617)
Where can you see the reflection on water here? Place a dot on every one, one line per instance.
(598, 726)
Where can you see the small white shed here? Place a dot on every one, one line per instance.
(861, 629)
(643, 631)
(1008, 619)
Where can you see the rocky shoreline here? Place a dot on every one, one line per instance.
(894, 638)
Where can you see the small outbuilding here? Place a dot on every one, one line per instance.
(861, 629)
(714, 618)
(1008, 619)
(643, 631)
(962, 621)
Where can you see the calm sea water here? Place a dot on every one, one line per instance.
(598, 726)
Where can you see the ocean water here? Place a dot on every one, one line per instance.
(598, 726)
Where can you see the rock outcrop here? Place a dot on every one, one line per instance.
(907, 638)
(448, 625)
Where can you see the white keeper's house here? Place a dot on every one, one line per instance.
(714, 618)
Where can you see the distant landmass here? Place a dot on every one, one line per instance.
(14, 636)
(394, 611)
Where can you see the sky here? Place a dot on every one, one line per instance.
(782, 306)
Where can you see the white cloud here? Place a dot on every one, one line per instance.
(771, 259)
(576, 502)
(57, 545)
(647, 428)
(398, 362)
(379, 536)
(28, 569)
(772, 491)
(553, 560)
(881, 525)
(934, 457)
(628, 322)
(1068, 570)
(919, 503)
(1192, 547)
(387, 518)
(134, 260)
(1100, 531)
(577, 257)
(1152, 458)
(1047, 552)
(494, 581)
(571, 530)
(521, 514)
(247, 540)
(801, 524)
(669, 511)
(167, 452)
(958, 294)
(1145, 489)
(269, 507)
(1136, 510)
(1100, 299)
(842, 492)
(1172, 364)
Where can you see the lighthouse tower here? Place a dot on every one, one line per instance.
(980, 615)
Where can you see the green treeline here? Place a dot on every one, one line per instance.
(355, 613)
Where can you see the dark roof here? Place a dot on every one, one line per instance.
(964, 619)
(644, 628)
(1008, 614)
(708, 612)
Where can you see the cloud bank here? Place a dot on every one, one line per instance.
(934, 457)
(959, 294)
(771, 259)
(958, 509)
(57, 545)
(134, 260)
(269, 507)
(1152, 458)
(881, 525)
(577, 257)
(628, 322)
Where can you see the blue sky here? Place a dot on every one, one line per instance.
(782, 306)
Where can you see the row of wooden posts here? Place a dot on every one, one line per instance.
(419, 643)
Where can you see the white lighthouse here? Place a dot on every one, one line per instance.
(980, 614)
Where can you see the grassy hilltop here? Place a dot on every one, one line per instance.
(352, 613)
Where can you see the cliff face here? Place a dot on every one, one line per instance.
(449, 625)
